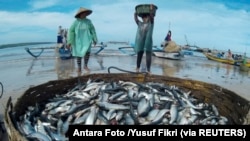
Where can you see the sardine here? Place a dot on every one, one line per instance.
(109, 106)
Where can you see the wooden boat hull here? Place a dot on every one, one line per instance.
(223, 60)
(173, 56)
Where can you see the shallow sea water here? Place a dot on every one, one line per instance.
(19, 70)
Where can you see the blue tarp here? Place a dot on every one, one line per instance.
(65, 53)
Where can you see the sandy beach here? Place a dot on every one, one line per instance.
(20, 71)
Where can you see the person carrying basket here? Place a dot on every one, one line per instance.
(144, 39)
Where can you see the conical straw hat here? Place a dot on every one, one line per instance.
(81, 10)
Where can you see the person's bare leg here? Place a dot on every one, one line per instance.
(139, 58)
(86, 60)
(148, 61)
(79, 64)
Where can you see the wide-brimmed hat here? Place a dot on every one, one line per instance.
(81, 10)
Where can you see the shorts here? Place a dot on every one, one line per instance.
(59, 39)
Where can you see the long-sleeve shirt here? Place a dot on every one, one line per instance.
(81, 34)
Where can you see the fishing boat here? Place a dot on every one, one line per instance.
(161, 53)
(230, 61)
(168, 55)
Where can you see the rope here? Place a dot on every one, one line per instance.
(28, 50)
(112, 67)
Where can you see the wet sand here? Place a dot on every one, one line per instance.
(18, 75)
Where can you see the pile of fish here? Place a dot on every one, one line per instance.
(98, 102)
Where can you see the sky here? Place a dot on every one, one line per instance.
(214, 24)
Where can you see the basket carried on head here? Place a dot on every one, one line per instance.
(142, 9)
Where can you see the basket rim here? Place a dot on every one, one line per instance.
(145, 5)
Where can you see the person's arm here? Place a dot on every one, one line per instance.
(151, 14)
(71, 35)
(136, 18)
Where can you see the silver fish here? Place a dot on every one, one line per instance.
(109, 106)
(92, 116)
(173, 113)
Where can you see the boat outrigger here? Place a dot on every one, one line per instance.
(40, 48)
(168, 55)
(64, 53)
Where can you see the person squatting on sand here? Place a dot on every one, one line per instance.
(81, 35)
(144, 40)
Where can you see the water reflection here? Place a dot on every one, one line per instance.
(244, 75)
(67, 68)
(100, 62)
(227, 73)
(228, 69)
(64, 68)
(35, 63)
(217, 68)
(31, 67)
(169, 67)
(202, 69)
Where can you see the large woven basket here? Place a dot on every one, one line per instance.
(145, 9)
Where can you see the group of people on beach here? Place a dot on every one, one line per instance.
(229, 55)
(82, 34)
(62, 35)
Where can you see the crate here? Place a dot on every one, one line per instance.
(229, 104)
